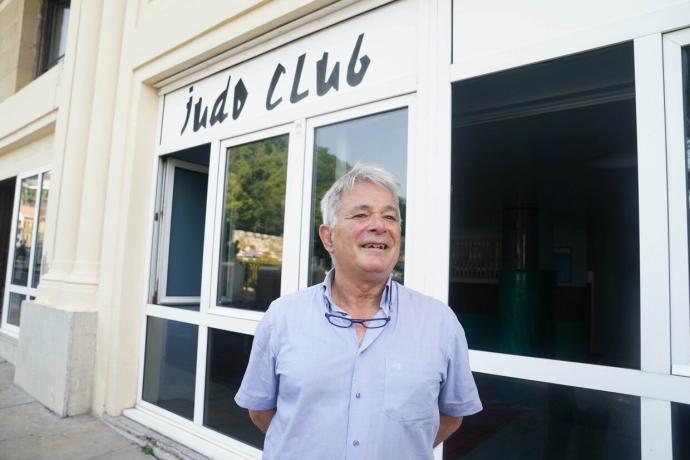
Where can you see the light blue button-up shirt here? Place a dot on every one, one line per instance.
(337, 399)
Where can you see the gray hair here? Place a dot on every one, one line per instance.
(331, 201)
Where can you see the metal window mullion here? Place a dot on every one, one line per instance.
(34, 231)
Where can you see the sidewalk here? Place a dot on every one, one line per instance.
(29, 431)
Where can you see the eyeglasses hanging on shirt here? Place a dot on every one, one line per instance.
(340, 319)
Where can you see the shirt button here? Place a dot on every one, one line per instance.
(355, 443)
(358, 395)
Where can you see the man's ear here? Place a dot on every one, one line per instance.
(326, 235)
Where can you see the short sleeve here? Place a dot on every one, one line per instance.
(259, 388)
(458, 395)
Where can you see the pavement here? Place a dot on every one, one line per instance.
(29, 431)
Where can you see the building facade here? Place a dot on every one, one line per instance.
(161, 162)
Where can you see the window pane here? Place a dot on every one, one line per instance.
(533, 420)
(680, 417)
(25, 228)
(14, 308)
(379, 139)
(170, 365)
(252, 233)
(544, 216)
(57, 39)
(187, 223)
(228, 355)
(40, 231)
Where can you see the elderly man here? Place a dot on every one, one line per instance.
(359, 366)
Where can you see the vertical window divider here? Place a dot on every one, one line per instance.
(308, 185)
(200, 383)
(210, 263)
(37, 205)
(677, 201)
(294, 223)
(655, 334)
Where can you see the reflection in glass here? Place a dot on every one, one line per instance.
(228, 355)
(544, 210)
(252, 234)
(680, 419)
(170, 365)
(24, 231)
(379, 139)
(534, 420)
(14, 308)
(40, 231)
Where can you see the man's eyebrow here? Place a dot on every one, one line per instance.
(360, 207)
(366, 207)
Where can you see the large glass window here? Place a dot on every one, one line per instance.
(227, 359)
(24, 260)
(379, 139)
(544, 218)
(251, 249)
(534, 420)
(170, 365)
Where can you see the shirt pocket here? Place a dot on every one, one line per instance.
(410, 391)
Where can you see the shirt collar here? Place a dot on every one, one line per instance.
(385, 303)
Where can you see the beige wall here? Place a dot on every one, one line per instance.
(28, 157)
(19, 35)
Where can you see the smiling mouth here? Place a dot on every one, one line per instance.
(375, 246)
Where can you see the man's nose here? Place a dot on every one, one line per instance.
(377, 223)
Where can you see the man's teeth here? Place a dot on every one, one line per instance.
(375, 246)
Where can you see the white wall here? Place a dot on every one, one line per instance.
(491, 35)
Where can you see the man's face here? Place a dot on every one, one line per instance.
(365, 241)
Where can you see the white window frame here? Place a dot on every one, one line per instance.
(27, 290)
(164, 231)
(677, 200)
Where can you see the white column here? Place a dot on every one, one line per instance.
(71, 147)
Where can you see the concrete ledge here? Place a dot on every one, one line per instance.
(55, 357)
(8, 347)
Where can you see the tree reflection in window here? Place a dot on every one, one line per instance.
(252, 232)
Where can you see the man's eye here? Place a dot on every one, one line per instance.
(359, 216)
(391, 218)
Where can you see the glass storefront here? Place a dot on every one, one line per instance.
(544, 262)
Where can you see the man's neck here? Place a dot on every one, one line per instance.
(361, 299)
